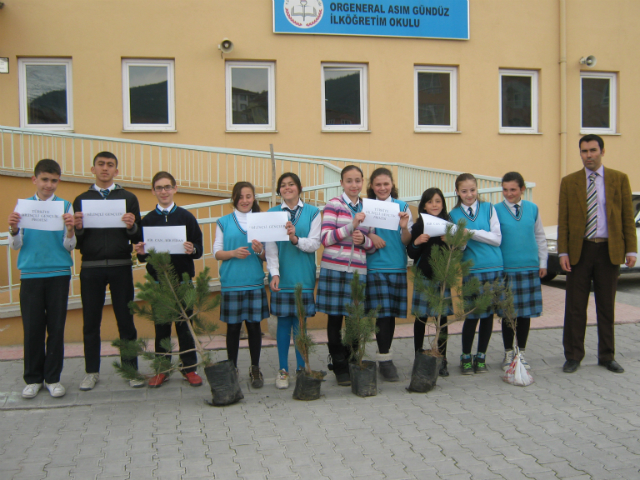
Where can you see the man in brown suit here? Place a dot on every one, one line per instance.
(596, 233)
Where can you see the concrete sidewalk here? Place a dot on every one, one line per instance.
(580, 426)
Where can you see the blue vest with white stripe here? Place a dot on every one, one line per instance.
(393, 257)
(519, 247)
(238, 274)
(297, 266)
(486, 258)
(42, 254)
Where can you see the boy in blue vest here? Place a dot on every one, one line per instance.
(45, 271)
(168, 214)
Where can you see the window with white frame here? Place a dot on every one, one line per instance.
(518, 101)
(597, 102)
(46, 95)
(435, 99)
(148, 95)
(251, 96)
(344, 97)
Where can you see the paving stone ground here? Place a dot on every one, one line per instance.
(579, 426)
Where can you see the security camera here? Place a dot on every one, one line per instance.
(225, 46)
(589, 61)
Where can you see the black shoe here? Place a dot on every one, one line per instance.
(611, 365)
(570, 366)
(340, 368)
(443, 369)
(257, 380)
(388, 371)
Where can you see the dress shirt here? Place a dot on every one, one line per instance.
(494, 236)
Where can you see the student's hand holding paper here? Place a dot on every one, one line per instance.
(129, 218)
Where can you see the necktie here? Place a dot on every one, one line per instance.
(105, 192)
(517, 207)
(470, 212)
(592, 207)
(292, 213)
(166, 215)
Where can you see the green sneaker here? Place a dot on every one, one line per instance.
(466, 364)
(479, 363)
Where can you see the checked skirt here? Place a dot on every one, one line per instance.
(249, 305)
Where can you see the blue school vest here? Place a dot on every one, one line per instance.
(393, 257)
(519, 247)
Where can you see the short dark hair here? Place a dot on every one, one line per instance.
(591, 138)
(462, 178)
(46, 165)
(348, 168)
(160, 176)
(427, 195)
(376, 173)
(237, 191)
(293, 177)
(513, 177)
(105, 155)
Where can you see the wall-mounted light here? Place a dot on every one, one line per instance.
(589, 61)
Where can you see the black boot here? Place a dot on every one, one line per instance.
(339, 365)
(387, 368)
(443, 368)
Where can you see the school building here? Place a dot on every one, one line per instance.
(481, 86)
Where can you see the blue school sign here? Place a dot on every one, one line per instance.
(447, 19)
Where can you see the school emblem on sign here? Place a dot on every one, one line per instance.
(303, 13)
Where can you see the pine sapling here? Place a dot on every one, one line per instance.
(358, 328)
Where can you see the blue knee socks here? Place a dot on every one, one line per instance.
(283, 337)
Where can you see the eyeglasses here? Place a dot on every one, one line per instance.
(166, 188)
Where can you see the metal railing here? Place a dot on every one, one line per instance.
(206, 169)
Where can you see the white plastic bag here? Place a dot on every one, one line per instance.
(516, 374)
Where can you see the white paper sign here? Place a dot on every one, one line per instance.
(436, 226)
(40, 215)
(380, 214)
(267, 226)
(103, 213)
(165, 239)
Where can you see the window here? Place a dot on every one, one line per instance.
(251, 96)
(148, 95)
(597, 102)
(518, 101)
(436, 99)
(344, 97)
(46, 99)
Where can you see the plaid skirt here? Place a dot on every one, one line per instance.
(249, 305)
(420, 307)
(527, 292)
(389, 291)
(283, 304)
(334, 291)
(484, 277)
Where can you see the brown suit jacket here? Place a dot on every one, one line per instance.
(572, 215)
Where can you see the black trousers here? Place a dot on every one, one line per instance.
(43, 305)
(594, 264)
(93, 284)
(185, 342)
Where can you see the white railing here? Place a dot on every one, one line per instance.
(206, 169)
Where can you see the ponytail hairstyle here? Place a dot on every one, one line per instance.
(513, 177)
(237, 191)
(428, 194)
(376, 173)
(462, 178)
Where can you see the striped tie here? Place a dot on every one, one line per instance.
(592, 207)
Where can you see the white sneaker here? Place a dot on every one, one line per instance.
(523, 361)
(508, 358)
(31, 390)
(55, 389)
(89, 381)
(282, 380)
(136, 383)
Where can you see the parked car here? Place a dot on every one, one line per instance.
(554, 269)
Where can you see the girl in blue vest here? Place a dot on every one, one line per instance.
(524, 251)
(484, 250)
(241, 278)
(419, 250)
(290, 263)
(387, 270)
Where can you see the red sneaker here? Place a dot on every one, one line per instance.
(193, 378)
(157, 380)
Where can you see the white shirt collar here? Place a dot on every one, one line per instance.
(510, 205)
(347, 200)
(474, 207)
(284, 205)
(169, 208)
(110, 188)
(240, 214)
(388, 199)
(599, 171)
(47, 200)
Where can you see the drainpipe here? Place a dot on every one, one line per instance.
(563, 88)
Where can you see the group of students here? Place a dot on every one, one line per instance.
(507, 240)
